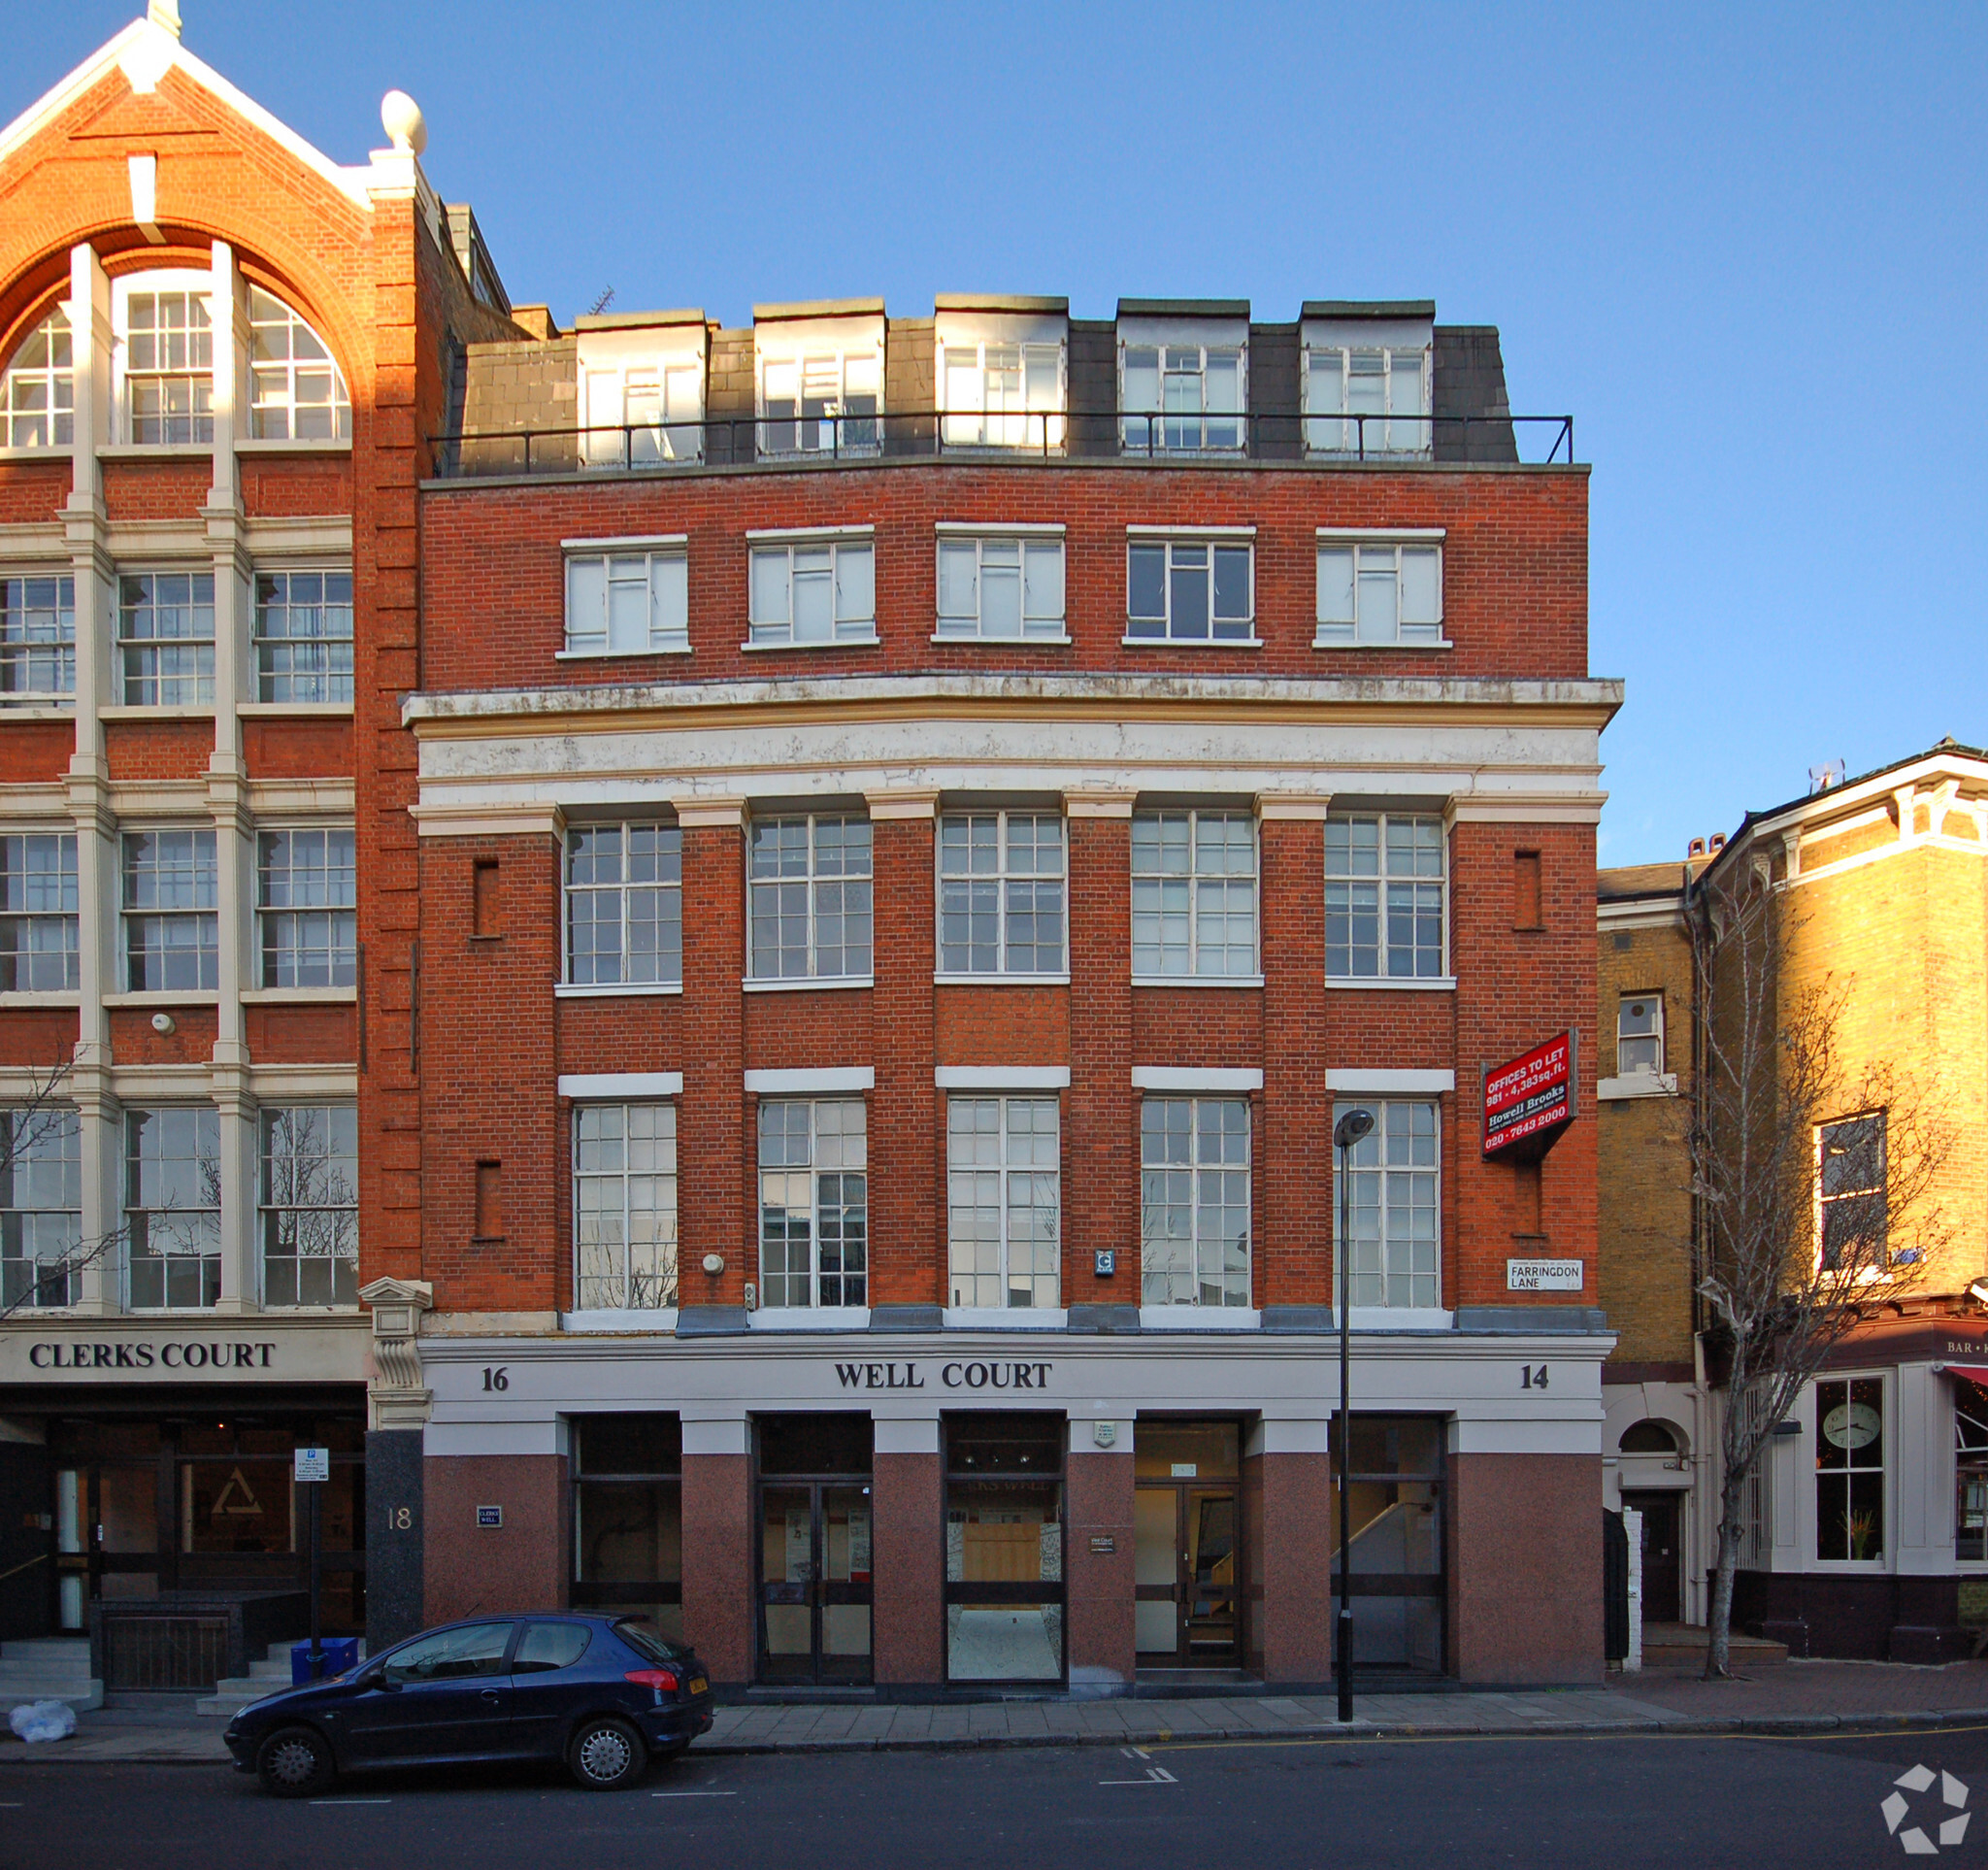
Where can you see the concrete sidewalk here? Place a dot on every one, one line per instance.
(1789, 1698)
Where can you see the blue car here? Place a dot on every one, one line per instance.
(604, 1695)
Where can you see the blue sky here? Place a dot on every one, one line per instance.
(1744, 247)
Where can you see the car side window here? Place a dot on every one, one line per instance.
(550, 1646)
(475, 1648)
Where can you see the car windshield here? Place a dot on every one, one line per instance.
(645, 1639)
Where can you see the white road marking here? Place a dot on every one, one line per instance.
(1154, 1776)
(693, 1795)
(351, 1801)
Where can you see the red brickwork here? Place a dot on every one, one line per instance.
(35, 753)
(158, 749)
(282, 747)
(1514, 572)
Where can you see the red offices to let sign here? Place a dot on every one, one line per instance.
(1529, 1101)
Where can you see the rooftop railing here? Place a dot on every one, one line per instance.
(848, 439)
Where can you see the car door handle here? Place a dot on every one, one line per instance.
(491, 1696)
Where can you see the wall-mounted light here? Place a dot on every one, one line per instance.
(713, 1264)
(163, 1024)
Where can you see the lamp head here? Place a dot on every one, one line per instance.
(1350, 1128)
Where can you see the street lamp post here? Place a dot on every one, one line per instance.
(1346, 1132)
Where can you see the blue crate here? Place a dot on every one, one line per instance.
(338, 1654)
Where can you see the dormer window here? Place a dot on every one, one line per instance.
(1001, 372)
(820, 378)
(1183, 379)
(40, 393)
(642, 388)
(1369, 382)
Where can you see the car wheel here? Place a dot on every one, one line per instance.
(606, 1754)
(294, 1763)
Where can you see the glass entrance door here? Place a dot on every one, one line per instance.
(814, 1589)
(1184, 1569)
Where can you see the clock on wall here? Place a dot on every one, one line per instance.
(1851, 1424)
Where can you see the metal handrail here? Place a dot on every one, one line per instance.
(737, 441)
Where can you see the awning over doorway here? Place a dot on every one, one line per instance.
(1974, 1372)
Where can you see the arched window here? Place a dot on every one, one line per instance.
(296, 393)
(41, 387)
(1648, 1438)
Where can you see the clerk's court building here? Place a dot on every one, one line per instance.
(764, 1039)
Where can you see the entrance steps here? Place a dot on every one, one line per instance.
(49, 1668)
(266, 1674)
(1681, 1646)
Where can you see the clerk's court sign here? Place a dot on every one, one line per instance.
(104, 1352)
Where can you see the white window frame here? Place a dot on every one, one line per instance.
(1152, 430)
(1887, 1435)
(666, 1221)
(854, 1292)
(643, 412)
(52, 382)
(1196, 1205)
(330, 685)
(670, 981)
(342, 944)
(32, 886)
(133, 650)
(1402, 426)
(1196, 880)
(43, 1159)
(274, 381)
(204, 917)
(331, 1211)
(1824, 1202)
(814, 880)
(1371, 1158)
(820, 393)
(1010, 1168)
(1375, 555)
(659, 567)
(1002, 877)
(196, 284)
(985, 419)
(1033, 548)
(838, 548)
(1656, 1032)
(181, 1223)
(1383, 909)
(1173, 542)
(26, 645)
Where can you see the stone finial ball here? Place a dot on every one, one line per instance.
(400, 116)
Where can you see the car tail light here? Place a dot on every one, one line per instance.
(662, 1681)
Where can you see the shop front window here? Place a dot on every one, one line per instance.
(1004, 1548)
(1970, 1469)
(628, 1518)
(1849, 1468)
(1394, 1505)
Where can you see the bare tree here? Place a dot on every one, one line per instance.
(1812, 1180)
(40, 1169)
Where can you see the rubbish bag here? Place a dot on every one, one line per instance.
(43, 1720)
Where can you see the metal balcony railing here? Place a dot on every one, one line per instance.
(859, 439)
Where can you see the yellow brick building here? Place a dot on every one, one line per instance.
(1870, 1512)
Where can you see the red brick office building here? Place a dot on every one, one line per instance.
(878, 848)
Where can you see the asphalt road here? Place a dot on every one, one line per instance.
(1622, 1803)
